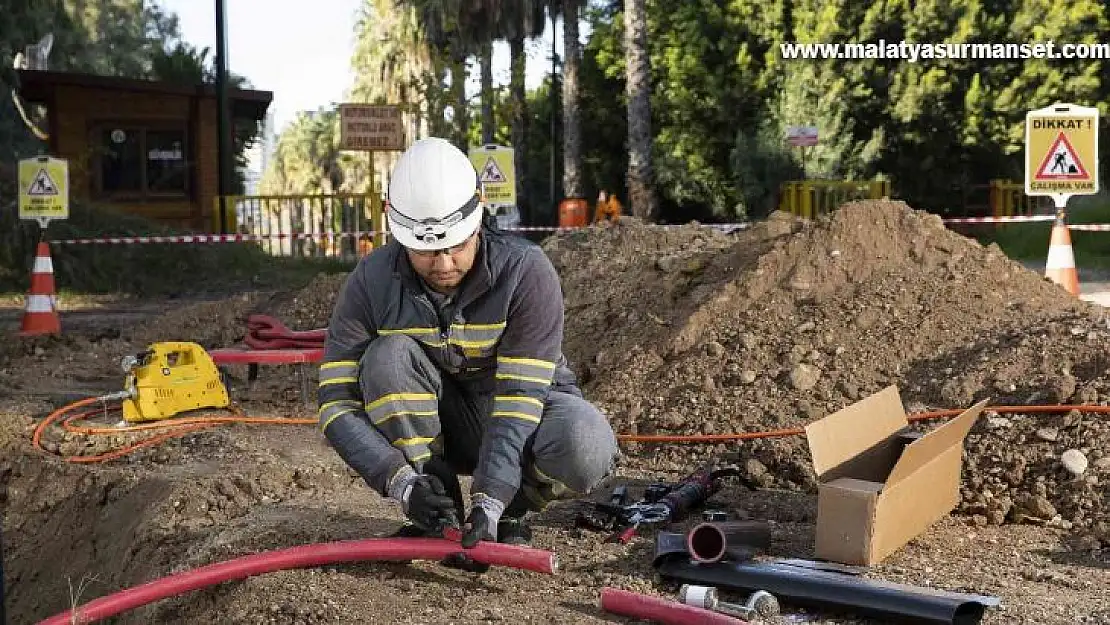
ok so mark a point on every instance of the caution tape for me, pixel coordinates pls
(998, 220)
(209, 238)
(249, 238)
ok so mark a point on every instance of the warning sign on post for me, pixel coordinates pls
(370, 127)
(1061, 151)
(43, 189)
(496, 174)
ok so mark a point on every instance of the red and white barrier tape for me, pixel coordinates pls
(244, 238)
(998, 220)
(208, 238)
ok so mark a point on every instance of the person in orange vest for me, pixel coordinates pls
(608, 208)
(365, 245)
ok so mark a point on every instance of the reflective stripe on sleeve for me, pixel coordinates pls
(531, 371)
(517, 407)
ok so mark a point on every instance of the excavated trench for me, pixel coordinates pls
(73, 535)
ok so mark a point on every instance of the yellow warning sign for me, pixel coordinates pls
(43, 188)
(1061, 151)
(494, 164)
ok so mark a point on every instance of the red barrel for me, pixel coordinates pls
(573, 213)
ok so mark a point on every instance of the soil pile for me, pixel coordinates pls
(691, 331)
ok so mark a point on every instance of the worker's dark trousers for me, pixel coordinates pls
(426, 414)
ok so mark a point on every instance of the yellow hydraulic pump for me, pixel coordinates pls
(171, 378)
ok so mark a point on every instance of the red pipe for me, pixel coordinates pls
(649, 608)
(304, 556)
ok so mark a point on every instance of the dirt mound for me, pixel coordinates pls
(310, 307)
(689, 331)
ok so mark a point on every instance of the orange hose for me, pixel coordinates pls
(922, 416)
(178, 428)
(181, 426)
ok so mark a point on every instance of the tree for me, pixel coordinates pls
(641, 194)
(572, 140)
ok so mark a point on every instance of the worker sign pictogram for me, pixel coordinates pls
(43, 189)
(491, 172)
(1061, 151)
(494, 164)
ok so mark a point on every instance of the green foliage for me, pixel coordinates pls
(723, 95)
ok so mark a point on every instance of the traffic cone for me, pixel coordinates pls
(40, 315)
(1060, 266)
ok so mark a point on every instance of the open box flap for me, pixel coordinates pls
(918, 453)
(853, 430)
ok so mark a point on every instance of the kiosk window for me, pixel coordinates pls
(142, 161)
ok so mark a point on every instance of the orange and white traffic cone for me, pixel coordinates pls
(40, 315)
(1060, 266)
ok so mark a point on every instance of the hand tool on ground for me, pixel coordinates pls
(661, 504)
(760, 605)
(169, 378)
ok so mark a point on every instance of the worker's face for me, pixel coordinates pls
(444, 269)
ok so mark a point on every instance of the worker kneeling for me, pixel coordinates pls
(444, 357)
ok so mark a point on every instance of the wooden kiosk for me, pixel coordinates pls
(138, 146)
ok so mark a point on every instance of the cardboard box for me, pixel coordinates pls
(879, 486)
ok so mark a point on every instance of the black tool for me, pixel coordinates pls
(662, 503)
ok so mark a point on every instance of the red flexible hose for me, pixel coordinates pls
(372, 549)
(649, 608)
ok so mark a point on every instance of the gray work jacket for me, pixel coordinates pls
(505, 332)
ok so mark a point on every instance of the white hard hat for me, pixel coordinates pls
(434, 196)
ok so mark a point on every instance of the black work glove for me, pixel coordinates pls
(428, 505)
(478, 527)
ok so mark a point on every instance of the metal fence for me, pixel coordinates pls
(812, 198)
(344, 226)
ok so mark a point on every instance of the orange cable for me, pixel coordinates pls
(181, 426)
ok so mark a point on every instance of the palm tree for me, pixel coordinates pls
(521, 19)
(443, 22)
(392, 63)
(572, 140)
(641, 195)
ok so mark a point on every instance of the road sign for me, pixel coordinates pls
(43, 189)
(1061, 152)
(371, 127)
(801, 136)
(496, 174)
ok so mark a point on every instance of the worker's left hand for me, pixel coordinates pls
(478, 527)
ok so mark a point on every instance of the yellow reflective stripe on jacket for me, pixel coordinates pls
(471, 335)
(338, 380)
(416, 448)
(476, 335)
(427, 336)
(394, 404)
(517, 407)
(332, 410)
(340, 372)
(528, 370)
(339, 368)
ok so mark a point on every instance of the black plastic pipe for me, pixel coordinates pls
(731, 540)
(825, 589)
